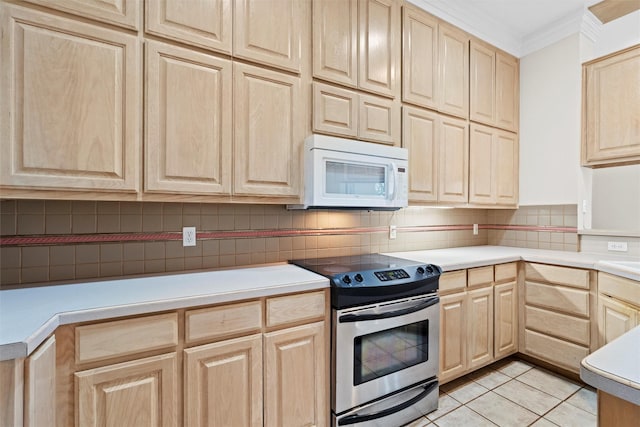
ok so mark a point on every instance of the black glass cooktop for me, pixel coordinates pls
(333, 266)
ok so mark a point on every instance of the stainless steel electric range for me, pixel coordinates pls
(384, 341)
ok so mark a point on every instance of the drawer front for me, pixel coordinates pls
(480, 276)
(295, 308)
(223, 321)
(452, 281)
(565, 354)
(557, 324)
(568, 300)
(566, 276)
(506, 272)
(125, 337)
(620, 288)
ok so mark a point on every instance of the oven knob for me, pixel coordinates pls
(346, 279)
(358, 277)
(420, 270)
(430, 269)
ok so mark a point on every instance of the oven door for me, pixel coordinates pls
(380, 349)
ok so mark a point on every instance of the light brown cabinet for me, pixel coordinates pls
(610, 109)
(57, 136)
(438, 160)
(419, 57)
(556, 313)
(480, 327)
(453, 64)
(453, 336)
(618, 306)
(40, 385)
(506, 318)
(493, 166)
(357, 43)
(267, 135)
(352, 114)
(494, 87)
(124, 13)
(188, 116)
(206, 24)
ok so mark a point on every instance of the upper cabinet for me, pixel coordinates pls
(494, 87)
(357, 43)
(206, 24)
(419, 57)
(611, 109)
(54, 132)
(272, 32)
(124, 13)
(453, 64)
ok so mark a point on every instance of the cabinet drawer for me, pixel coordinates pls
(222, 321)
(619, 287)
(125, 337)
(557, 324)
(453, 281)
(565, 354)
(480, 276)
(559, 275)
(506, 272)
(568, 300)
(295, 308)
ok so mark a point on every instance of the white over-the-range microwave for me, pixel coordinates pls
(349, 174)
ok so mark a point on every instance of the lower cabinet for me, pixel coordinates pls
(618, 306)
(478, 318)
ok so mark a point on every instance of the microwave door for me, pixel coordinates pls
(363, 181)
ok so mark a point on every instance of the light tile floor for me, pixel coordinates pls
(513, 393)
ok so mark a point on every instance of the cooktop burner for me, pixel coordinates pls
(372, 278)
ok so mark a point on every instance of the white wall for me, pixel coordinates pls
(618, 34)
(550, 88)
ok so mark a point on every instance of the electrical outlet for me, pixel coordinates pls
(392, 232)
(475, 229)
(188, 236)
(617, 246)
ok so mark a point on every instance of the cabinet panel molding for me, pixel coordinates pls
(505, 319)
(453, 179)
(482, 83)
(58, 135)
(565, 354)
(379, 120)
(124, 13)
(480, 327)
(420, 135)
(507, 92)
(614, 319)
(559, 325)
(12, 396)
(188, 121)
(453, 336)
(556, 274)
(217, 322)
(453, 60)
(335, 110)
(40, 385)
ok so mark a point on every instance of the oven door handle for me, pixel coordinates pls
(376, 316)
(355, 418)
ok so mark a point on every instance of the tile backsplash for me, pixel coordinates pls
(129, 238)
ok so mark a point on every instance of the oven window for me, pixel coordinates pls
(385, 352)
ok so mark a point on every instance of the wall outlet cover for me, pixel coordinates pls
(617, 246)
(392, 232)
(188, 236)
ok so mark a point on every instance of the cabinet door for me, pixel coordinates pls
(335, 41)
(335, 110)
(420, 137)
(379, 119)
(480, 327)
(206, 24)
(482, 90)
(505, 319)
(124, 13)
(614, 319)
(141, 392)
(272, 32)
(58, 136)
(507, 92)
(223, 383)
(419, 57)
(269, 124)
(379, 31)
(612, 102)
(482, 165)
(506, 164)
(453, 336)
(296, 376)
(453, 62)
(188, 121)
(40, 385)
(453, 147)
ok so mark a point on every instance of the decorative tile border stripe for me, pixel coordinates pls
(232, 234)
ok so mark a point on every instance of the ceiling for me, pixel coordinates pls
(516, 26)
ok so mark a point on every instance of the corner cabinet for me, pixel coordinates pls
(493, 166)
(54, 133)
(618, 306)
(610, 109)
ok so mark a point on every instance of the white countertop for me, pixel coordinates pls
(615, 368)
(28, 316)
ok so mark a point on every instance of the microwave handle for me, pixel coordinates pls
(393, 183)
